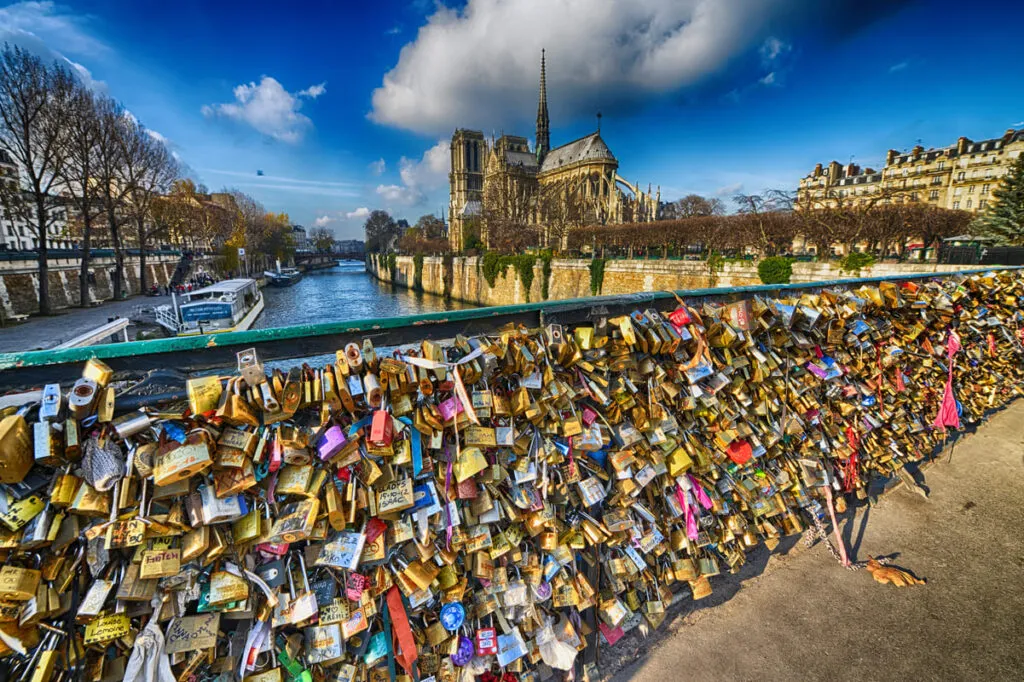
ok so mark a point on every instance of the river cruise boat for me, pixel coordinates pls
(285, 277)
(229, 306)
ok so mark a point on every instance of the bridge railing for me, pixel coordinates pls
(208, 352)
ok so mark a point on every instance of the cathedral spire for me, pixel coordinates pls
(543, 125)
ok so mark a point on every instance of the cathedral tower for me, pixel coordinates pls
(466, 182)
(543, 124)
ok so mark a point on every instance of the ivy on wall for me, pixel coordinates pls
(494, 264)
(417, 277)
(597, 275)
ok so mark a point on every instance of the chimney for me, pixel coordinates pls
(1008, 135)
(889, 156)
(817, 170)
(833, 172)
(917, 151)
(961, 145)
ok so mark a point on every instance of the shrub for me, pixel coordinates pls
(856, 261)
(775, 270)
(417, 278)
(597, 275)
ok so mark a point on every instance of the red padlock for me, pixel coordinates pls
(486, 642)
(381, 430)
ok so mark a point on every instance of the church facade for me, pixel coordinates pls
(504, 183)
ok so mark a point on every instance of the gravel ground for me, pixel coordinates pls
(799, 616)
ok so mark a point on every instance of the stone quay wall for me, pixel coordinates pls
(19, 281)
(571, 278)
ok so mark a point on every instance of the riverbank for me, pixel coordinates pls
(464, 279)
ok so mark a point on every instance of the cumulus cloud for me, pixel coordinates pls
(268, 108)
(323, 221)
(358, 214)
(378, 167)
(729, 190)
(51, 24)
(419, 176)
(477, 66)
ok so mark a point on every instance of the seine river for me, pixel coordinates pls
(344, 292)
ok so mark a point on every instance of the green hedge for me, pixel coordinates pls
(775, 270)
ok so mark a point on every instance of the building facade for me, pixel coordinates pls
(15, 233)
(505, 179)
(960, 176)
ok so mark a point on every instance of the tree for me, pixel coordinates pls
(430, 227)
(563, 207)
(693, 205)
(112, 153)
(34, 104)
(322, 239)
(509, 202)
(79, 176)
(380, 229)
(1004, 217)
(149, 171)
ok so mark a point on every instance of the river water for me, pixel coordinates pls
(342, 293)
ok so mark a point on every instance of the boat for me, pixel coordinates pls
(285, 277)
(229, 306)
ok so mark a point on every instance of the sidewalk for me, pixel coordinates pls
(47, 332)
(802, 617)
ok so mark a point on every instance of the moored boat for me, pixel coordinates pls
(284, 278)
(229, 306)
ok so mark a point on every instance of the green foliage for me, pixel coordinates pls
(855, 261)
(775, 270)
(392, 265)
(715, 263)
(448, 274)
(417, 278)
(597, 275)
(494, 264)
(1004, 216)
(546, 257)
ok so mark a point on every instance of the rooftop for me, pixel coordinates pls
(588, 148)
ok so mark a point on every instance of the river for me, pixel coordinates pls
(344, 292)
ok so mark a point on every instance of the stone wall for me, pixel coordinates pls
(19, 281)
(571, 278)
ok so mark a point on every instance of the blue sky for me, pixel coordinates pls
(347, 106)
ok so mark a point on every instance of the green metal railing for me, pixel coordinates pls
(201, 353)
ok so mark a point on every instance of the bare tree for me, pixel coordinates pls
(321, 238)
(34, 101)
(79, 176)
(562, 207)
(508, 205)
(115, 128)
(149, 169)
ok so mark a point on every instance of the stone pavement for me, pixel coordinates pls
(46, 332)
(802, 617)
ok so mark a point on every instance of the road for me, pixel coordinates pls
(802, 617)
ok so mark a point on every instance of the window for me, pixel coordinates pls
(956, 205)
(933, 195)
(919, 169)
(956, 191)
(961, 176)
(970, 190)
(988, 174)
(913, 196)
(905, 171)
(936, 180)
(968, 203)
(982, 204)
(942, 165)
(984, 188)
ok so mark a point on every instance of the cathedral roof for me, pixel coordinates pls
(526, 160)
(588, 148)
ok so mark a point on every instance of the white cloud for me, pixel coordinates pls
(899, 67)
(157, 136)
(323, 221)
(85, 76)
(393, 31)
(358, 214)
(729, 190)
(769, 79)
(429, 172)
(313, 91)
(378, 167)
(601, 53)
(400, 194)
(268, 108)
(51, 24)
(1018, 124)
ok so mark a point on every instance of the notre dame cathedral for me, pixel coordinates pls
(504, 180)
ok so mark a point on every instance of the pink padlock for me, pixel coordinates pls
(450, 408)
(588, 416)
(486, 641)
(331, 444)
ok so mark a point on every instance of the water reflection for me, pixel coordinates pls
(342, 293)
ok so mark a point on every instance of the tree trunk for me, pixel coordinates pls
(142, 258)
(83, 271)
(44, 261)
(115, 238)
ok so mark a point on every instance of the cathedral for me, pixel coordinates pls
(504, 182)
